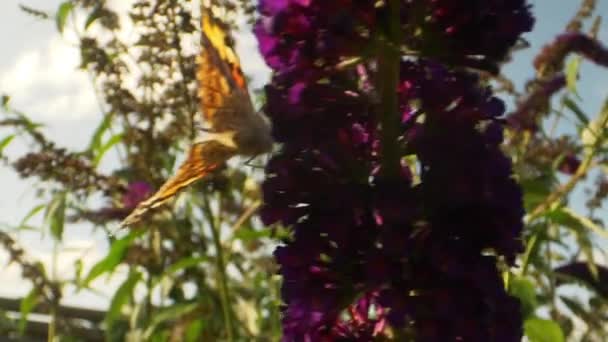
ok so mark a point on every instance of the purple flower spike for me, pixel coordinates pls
(367, 252)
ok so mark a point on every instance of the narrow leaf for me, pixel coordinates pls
(4, 142)
(62, 14)
(95, 142)
(115, 139)
(576, 110)
(96, 14)
(121, 297)
(55, 215)
(171, 313)
(581, 272)
(178, 266)
(27, 305)
(585, 222)
(572, 73)
(577, 308)
(30, 214)
(114, 257)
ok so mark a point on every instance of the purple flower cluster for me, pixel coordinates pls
(303, 34)
(370, 252)
(548, 64)
(473, 32)
(136, 192)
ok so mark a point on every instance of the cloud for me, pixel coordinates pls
(47, 85)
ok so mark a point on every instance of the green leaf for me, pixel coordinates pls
(28, 124)
(248, 235)
(114, 257)
(27, 305)
(55, 215)
(580, 272)
(572, 73)
(577, 308)
(524, 290)
(170, 313)
(4, 142)
(170, 271)
(96, 14)
(95, 142)
(62, 14)
(543, 330)
(5, 100)
(193, 333)
(121, 297)
(537, 189)
(569, 218)
(115, 139)
(30, 214)
(576, 110)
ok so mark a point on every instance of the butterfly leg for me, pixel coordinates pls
(248, 163)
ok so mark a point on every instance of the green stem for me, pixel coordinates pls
(580, 173)
(388, 72)
(530, 246)
(215, 224)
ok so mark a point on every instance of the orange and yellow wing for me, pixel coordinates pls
(219, 73)
(203, 158)
(221, 88)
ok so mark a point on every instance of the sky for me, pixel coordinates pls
(38, 69)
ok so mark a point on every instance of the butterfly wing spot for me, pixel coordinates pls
(203, 158)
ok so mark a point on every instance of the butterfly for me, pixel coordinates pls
(235, 128)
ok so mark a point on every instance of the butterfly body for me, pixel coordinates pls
(242, 128)
(235, 128)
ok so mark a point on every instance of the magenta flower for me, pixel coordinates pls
(136, 192)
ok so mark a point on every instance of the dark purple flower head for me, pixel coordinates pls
(552, 55)
(366, 321)
(296, 35)
(465, 32)
(466, 180)
(415, 240)
(299, 34)
(529, 111)
(136, 192)
(569, 164)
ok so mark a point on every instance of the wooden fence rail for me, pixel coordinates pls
(87, 322)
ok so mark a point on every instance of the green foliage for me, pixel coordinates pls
(62, 14)
(543, 330)
(27, 305)
(55, 215)
(5, 142)
(123, 295)
(525, 291)
(572, 70)
(112, 260)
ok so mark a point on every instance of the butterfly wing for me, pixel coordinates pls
(223, 95)
(203, 158)
(221, 81)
